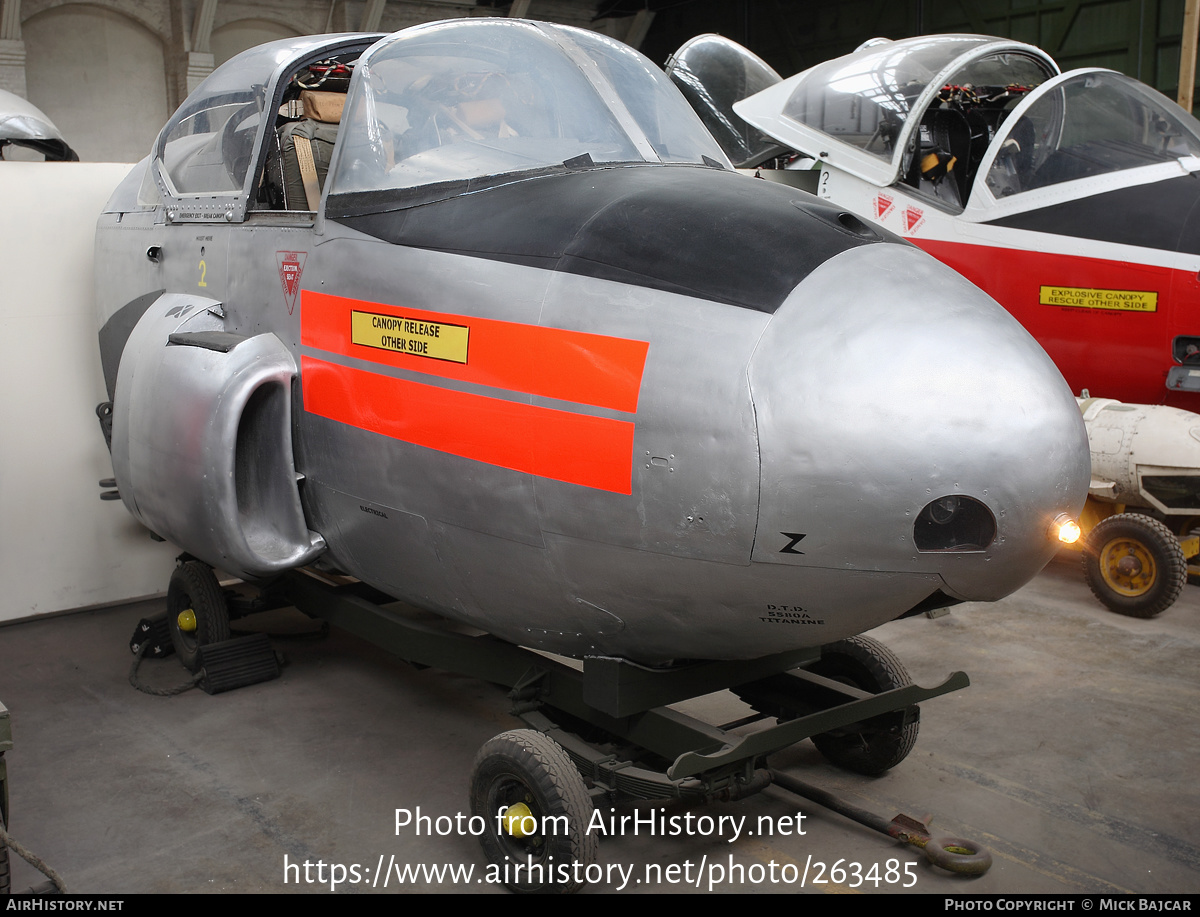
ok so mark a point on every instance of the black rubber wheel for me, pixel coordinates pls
(1134, 565)
(5, 872)
(194, 588)
(526, 768)
(869, 665)
(5, 869)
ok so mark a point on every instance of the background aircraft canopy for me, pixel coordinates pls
(451, 102)
(24, 124)
(1089, 123)
(870, 103)
(713, 73)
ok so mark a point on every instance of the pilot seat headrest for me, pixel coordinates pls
(323, 106)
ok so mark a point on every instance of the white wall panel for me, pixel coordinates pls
(61, 547)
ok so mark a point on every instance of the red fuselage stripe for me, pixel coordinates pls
(561, 445)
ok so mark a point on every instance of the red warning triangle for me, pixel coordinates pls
(291, 268)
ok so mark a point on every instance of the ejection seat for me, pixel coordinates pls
(305, 147)
(940, 166)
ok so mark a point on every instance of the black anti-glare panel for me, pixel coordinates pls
(700, 232)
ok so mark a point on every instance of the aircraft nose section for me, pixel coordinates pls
(908, 424)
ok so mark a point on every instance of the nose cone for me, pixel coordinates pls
(908, 424)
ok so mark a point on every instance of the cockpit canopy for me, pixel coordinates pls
(208, 157)
(1088, 123)
(713, 73)
(970, 121)
(866, 112)
(427, 112)
(461, 101)
(23, 124)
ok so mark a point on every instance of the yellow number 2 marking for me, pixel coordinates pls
(203, 271)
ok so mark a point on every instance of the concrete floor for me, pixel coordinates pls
(1073, 757)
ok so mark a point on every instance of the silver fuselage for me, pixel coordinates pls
(881, 382)
(645, 410)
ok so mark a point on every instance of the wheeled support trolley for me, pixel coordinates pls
(607, 732)
(603, 731)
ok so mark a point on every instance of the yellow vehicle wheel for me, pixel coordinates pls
(1134, 565)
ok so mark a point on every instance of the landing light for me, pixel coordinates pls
(1065, 529)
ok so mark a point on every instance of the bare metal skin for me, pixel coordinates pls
(656, 458)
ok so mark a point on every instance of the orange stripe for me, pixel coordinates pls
(573, 366)
(575, 448)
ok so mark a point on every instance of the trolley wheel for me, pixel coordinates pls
(536, 810)
(196, 611)
(1134, 565)
(5, 871)
(869, 665)
(957, 855)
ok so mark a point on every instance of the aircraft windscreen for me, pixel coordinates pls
(208, 144)
(1091, 124)
(864, 99)
(209, 150)
(438, 104)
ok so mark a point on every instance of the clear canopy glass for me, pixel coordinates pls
(460, 100)
(208, 144)
(864, 99)
(24, 124)
(877, 113)
(1090, 123)
(713, 73)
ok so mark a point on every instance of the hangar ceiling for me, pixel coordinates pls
(109, 71)
(1138, 37)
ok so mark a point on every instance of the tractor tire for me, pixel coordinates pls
(1134, 565)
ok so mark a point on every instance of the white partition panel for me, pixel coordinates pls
(61, 547)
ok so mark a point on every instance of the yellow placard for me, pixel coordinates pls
(1084, 298)
(414, 336)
